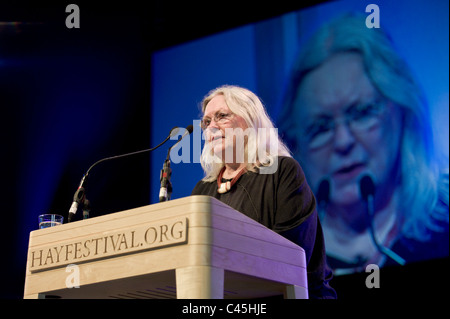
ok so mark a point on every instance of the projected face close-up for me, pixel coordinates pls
(347, 129)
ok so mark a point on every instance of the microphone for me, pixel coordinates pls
(166, 186)
(367, 189)
(80, 195)
(78, 198)
(86, 208)
(323, 196)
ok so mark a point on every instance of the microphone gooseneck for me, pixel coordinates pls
(367, 189)
(173, 132)
(80, 194)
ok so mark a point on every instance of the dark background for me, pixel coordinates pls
(72, 96)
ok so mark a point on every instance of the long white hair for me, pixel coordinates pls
(247, 105)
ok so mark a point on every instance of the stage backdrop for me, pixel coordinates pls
(261, 57)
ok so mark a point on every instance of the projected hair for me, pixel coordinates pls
(247, 105)
(421, 182)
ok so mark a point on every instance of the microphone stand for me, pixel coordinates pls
(86, 208)
(367, 189)
(382, 249)
(166, 186)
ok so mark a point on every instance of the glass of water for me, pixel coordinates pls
(50, 220)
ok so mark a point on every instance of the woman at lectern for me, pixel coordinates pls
(249, 168)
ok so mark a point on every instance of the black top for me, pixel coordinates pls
(283, 202)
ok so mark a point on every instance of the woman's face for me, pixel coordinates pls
(346, 129)
(221, 119)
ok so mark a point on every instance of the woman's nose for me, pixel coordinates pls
(213, 124)
(344, 139)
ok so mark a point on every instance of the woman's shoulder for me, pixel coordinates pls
(277, 165)
(289, 165)
(202, 188)
(288, 161)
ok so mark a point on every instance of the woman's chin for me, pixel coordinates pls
(346, 196)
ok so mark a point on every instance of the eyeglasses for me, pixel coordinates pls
(220, 118)
(358, 118)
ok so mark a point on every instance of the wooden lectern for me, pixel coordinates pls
(193, 247)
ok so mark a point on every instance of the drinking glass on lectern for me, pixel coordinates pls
(50, 220)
